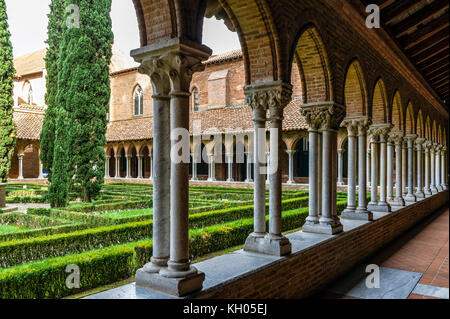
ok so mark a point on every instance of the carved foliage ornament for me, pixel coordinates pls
(324, 117)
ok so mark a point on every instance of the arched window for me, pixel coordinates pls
(27, 93)
(138, 101)
(195, 99)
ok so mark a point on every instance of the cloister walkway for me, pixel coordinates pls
(414, 266)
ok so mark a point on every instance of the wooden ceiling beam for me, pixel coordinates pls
(425, 32)
(430, 42)
(397, 8)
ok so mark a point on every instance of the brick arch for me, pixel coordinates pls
(444, 137)
(428, 134)
(409, 119)
(314, 69)
(397, 111)
(355, 90)
(434, 132)
(420, 129)
(439, 136)
(379, 107)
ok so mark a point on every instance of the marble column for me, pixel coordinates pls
(176, 61)
(194, 169)
(368, 166)
(420, 193)
(433, 188)
(151, 168)
(291, 166)
(274, 96)
(268, 167)
(426, 147)
(117, 167)
(390, 170)
(20, 156)
(383, 205)
(397, 137)
(212, 168)
(404, 167)
(129, 157)
(362, 211)
(352, 128)
(374, 141)
(328, 117)
(248, 178)
(444, 168)
(230, 167)
(340, 180)
(410, 139)
(313, 216)
(438, 167)
(107, 167)
(41, 170)
(139, 167)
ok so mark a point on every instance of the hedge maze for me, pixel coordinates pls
(110, 238)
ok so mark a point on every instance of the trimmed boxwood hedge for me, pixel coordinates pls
(47, 278)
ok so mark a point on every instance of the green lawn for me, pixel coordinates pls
(129, 213)
(5, 229)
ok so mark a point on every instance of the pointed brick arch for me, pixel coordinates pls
(313, 65)
(355, 90)
(439, 136)
(379, 107)
(397, 112)
(434, 132)
(420, 128)
(409, 119)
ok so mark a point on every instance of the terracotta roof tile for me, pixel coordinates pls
(28, 124)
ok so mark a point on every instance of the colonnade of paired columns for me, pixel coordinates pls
(128, 158)
(20, 158)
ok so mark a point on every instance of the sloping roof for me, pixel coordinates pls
(227, 56)
(231, 119)
(28, 124)
(34, 62)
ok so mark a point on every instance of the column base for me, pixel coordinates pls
(358, 214)
(230, 180)
(268, 245)
(290, 182)
(445, 187)
(211, 180)
(323, 228)
(410, 198)
(439, 188)
(372, 206)
(434, 190)
(155, 265)
(420, 195)
(383, 207)
(340, 184)
(173, 286)
(397, 202)
(427, 192)
(249, 180)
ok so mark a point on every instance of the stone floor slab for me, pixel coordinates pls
(431, 291)
(129, 291)
(394, 284)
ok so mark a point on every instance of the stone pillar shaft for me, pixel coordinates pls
(291, 166)
(20, 166)
(427, 189)
(340, 153)
(313, 217)
(390, 172)
(410, 197)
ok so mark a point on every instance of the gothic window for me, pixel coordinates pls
(28, 93)
(138, 101)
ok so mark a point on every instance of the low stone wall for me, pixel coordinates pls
(310, 270)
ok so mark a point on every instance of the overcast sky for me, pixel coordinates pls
(28, 26)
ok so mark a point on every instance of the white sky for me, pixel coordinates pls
(28, 26)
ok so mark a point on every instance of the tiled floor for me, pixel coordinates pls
(423, 250)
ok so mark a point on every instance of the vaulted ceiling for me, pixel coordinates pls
(421, 30)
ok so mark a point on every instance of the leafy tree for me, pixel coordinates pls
(7, 71)
(54, 31)
(84, 93)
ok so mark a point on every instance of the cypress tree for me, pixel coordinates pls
(84, 93)
(54, 32)
(7, 71)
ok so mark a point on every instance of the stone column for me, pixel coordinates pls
(419, 194)
(427, 189)
(383, 205)
(151, 168)
(438, 167)
(230, 168)
(194, 168)
(390, 171)
(434, 190)
(340, 180)
(248, 178)
(410, 139)
(362, 211)
(176, 61)
(20, 156)
(268, 167)
(212, 168)
(41, 169)
(404, 168)
(352, 128)
(117, 167)
(329, 116)
(139, 168)
(444, 168)
(129, 157)
(107, 167)
(374, 140)
(368, 166)
(397, 137)
(275, 96)
(291, 166)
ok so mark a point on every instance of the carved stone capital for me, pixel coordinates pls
(273, 96)
(380, 130)
(323, 116)
(419, 143)
(355, 125)
(427, 145)
(410, 138)
(396, 136)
